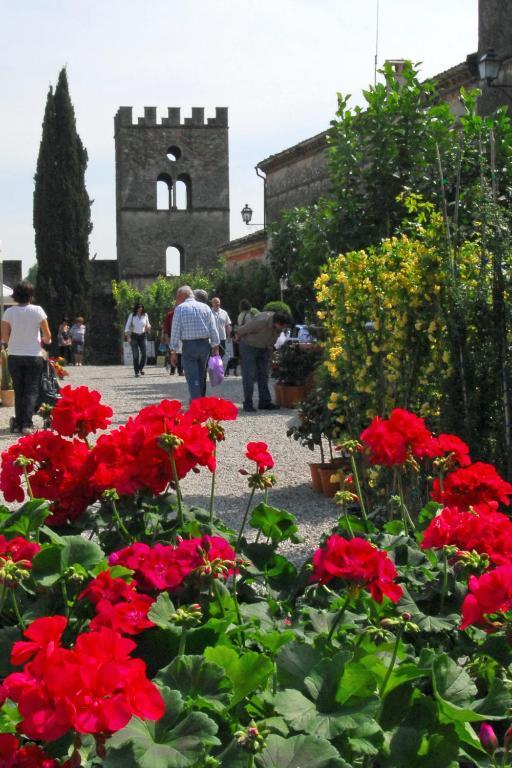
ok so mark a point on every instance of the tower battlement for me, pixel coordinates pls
(124, 118)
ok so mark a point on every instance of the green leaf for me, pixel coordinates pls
(197, 680)
(26, 519)
(454, 691)
(274, 641)
(299, 752)
(294, 663)
(247, 671)
(172, 742)
(9, 718)
(80, 551)
(161, 611)
(357, 682)
(47, 565)
(276, 524)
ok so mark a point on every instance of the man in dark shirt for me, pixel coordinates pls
(257, 338)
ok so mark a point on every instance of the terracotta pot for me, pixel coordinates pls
(325, 473)
(316, 481)
(289, 396)
(7, 397)
(277, 393)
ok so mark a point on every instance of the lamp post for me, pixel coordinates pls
(246, 214)
(490, 67)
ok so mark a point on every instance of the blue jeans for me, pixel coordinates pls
(26, 374)
(194, 357)
(138, 342)
(255, 368)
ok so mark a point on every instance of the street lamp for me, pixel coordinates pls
(489, 68)
(247, 216)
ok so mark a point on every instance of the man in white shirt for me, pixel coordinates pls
(193, 325)
(223, 324)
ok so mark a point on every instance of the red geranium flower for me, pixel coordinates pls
(452, 446)
(483, 530)
(94, 688)
(390, 441)
(490, 596)
(80, 412)
(104, 587)
(56, 472)
(479, 483)
(18, 549)
(359, 563)
(126, 617)
(216, 408)
(258, 452)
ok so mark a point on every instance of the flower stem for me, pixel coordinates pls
(178, 491)
(212, 495)
(250, 760)
(16, 609)
(183, 641)
(27, 480)
(338, 618)
(444, 587)
(119, 521)
(65, 599)
(355, 475)
(392, 663)
(3, 595)
(244, 520)
(407, 520)
(216, 592)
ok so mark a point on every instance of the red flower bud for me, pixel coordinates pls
(488, 738)
(507, 739)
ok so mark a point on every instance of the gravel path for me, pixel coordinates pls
(120, 389)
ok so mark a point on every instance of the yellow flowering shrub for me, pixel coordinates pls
(386, 339)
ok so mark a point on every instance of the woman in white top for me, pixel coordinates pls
(24, 327)
(135, 331)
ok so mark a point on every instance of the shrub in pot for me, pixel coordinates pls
(292, 366)
(6, 384)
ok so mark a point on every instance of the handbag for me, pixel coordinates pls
(215, 370)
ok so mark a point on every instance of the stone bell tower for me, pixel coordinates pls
(172, 190)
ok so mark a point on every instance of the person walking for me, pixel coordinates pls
(257, 338)
(77, 332)
(135, 330)
(64, 340)
(165, 339)
(24, 327)
(194, 327)
(223, 324)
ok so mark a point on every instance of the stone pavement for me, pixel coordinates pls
(127, 395)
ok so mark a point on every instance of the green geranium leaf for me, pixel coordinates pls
(47, 565)
(197, 680)
(455, 692)
(294, 663)
(9, 718)
(172, 742)
(80, 551)
(161, 611)
(274, 641)
(299, 752)
(26, 519)
(276, 524)
(247, 671)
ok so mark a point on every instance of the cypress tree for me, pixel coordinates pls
(62, 212)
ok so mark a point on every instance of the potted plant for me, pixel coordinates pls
(316, 429)
(292, 366)
(7, 389)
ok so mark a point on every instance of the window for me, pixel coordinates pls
(173, 154)
(183, 193)
(173, 260)
(163, 192)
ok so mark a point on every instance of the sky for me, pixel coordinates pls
(276, 64)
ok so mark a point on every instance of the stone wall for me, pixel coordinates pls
(495, 31)
(104, 334)
(201, 164)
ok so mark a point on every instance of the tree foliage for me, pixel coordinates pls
(62, 219)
